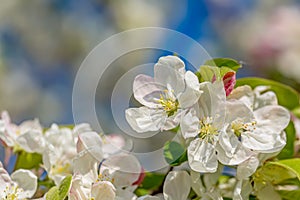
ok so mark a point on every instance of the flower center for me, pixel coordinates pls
(61, 168)
(207, 131)
(105, 177)
(168, 102)
(239, 127)
(11, 193)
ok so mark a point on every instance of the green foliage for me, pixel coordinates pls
(151, 182)
(61, 192)
(224, 62)
(289, 194)
(288, 150)
(292, 165)
(64, 187)
(53, 194)
(28, 160)
(174, 153)
(287, 96)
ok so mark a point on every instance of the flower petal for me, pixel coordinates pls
(103, 190)
(91, 142)
(190, 125)
(271, 121)
(192, 91)
(32, 141)
(243, 93)
(148, 197)
(202, 156)
(125, 169)
(212, 102)
(242, 190)
(177, 185)
(247, 168)
(144, 119)
(4, 178)
(230, 150)
(25, 180)
(147, 91)
(169, 70)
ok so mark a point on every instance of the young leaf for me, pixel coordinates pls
(224, 62)
(288, 150)
(64, 187)
(174, 153)
(53, 194)
(289, 194)
(289, 165)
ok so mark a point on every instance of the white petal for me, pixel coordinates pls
(144, 119)
(113, 144)
(147, 91)
(177, 185)
(263, 98)
(25, 180)
(202, 156)
(275, 118)
(271, 120)
(81, 128)
(4, 178)
(86, 165)
(242, 190)
(32, 141)
(196, 183)
(237, 109)
(103, 190)
(91, 142)
(125, 169)
(212, 102)
(148, 197)
(247, 168)
(243, 93)
(192, 91)
(77, 190)
(170, 70)
(190, 125)
(230, 150)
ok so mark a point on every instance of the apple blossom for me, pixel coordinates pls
(165, 97)
(21, 184)
(204, 125)
(27, 136)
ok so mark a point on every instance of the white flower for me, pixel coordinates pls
(28, 135)
(115, 179)
(60, 151)
(252, 131)
(20, 185)
(204, 126)
(165, 97)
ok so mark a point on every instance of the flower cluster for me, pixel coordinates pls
(230, 137)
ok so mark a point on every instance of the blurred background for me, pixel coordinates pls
(42, 44)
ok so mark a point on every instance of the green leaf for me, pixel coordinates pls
(296, 112)
(274, 173)
(174, 153)
(53, 194)
(288, 150)
(28, 160)
(151, 182)
(208, 73)
(224, 62)
(65, 187)
(289, 194)
(290, 166)
(287, 96)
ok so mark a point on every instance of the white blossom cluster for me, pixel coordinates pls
(219, 127)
